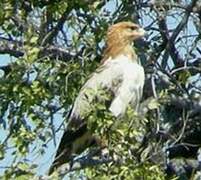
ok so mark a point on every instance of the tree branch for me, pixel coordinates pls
(89, 160)
(10, 47)
(54, 32)
(56, 53)
(169, 40)
(15, 48)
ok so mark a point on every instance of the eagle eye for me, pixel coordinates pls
(133, 28)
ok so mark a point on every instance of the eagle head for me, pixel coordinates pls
(119, 39)
(125, 32)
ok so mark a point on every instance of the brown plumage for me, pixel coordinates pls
(119, 64)
(120, 38)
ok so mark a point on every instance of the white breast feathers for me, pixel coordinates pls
(131, 88)
(128, 91)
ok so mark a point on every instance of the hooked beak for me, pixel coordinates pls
(141, 32)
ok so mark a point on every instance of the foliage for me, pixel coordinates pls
(54, 45)
(123, 139)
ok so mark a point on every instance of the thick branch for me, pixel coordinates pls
(183, 22)
(82, 163)
(169, 40)
(6, 69)
(171, 45)
(10, 47)
(89, 160)
(56, 52)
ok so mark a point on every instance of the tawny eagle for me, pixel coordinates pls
(119, 63)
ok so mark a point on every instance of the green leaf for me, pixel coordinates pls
(153, 104)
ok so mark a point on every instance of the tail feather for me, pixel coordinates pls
(72, 142)
(63, 152)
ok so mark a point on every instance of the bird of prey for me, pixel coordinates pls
(120, 72)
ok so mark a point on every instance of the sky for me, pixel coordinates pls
(4, 60)
(43, 161)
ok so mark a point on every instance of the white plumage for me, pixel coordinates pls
(123, 76)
